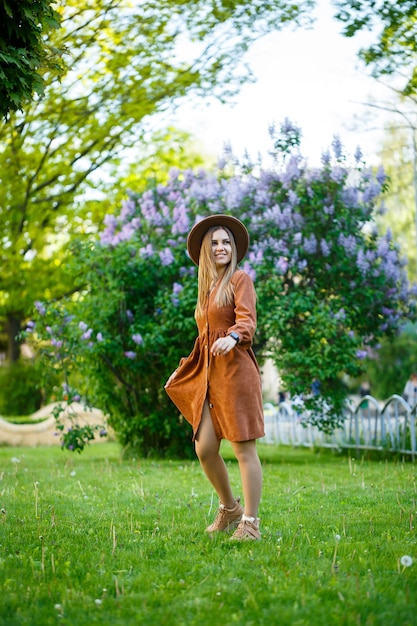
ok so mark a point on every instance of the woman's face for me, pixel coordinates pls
(221, 249)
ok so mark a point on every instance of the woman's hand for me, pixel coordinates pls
(223, 345)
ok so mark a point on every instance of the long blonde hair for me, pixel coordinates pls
(208, 276)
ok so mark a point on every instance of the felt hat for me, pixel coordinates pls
(198, 231)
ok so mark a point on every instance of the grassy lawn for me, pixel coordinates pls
(96, 539)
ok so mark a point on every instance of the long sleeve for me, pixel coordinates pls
(245, 309)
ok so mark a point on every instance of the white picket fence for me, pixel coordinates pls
(370, 425)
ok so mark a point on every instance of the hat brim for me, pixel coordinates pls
(198, 231)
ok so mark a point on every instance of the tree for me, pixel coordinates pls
(400, 199)
(125, 64)
(399, 155)
(328, 288)
(396, 46)
(390, 367)
(24, 53)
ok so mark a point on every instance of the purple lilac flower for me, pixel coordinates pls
(177, 288)
(40, 307)
(127, 210)
(362, 262)
(99, 337)
(234, 193)
(371, 192)
(310, 244)
(337, 147)
(166, 256)
(361, 354)
(129, 315)
(130, 355)
(289, 128)
(146, 251)
(338, 174)
(110, 221)
(281, 265)
(325, 157)
(107, 238)
(348, 243)
(181, 220)
(293, 199)
(350, 196)
(325, 248)
(383, 247)
(138, 339)
(247, 267)
(292, 171)
(87, 334)
(57, 342)
(126, 233)
(328, 209)
(358, 154)
(381, 175)
(256, 256)
(147, 207)
(82, 326)
(340, 315)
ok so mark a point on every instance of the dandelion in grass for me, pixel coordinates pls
(335, 566)
(406, 561)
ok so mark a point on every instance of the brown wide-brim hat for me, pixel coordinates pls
(198, 231)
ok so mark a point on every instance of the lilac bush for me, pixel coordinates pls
(329, 286)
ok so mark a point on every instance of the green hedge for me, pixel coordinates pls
(22, 391)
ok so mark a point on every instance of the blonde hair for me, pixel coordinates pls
(208, 276)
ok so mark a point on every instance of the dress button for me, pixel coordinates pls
(210, 406)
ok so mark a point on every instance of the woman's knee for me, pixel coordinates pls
(206, 450)
(245, 451)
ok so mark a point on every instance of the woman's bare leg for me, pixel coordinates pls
(207, 447)
(251, 475)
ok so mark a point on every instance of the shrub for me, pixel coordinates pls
(329, 287)
(20, 389)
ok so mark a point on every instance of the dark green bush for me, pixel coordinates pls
(22, 391)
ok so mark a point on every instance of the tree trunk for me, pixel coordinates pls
(13, 327)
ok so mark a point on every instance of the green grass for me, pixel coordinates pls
(96, 539)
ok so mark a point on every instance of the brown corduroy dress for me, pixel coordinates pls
(231, 382)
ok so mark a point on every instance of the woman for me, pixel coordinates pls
(218, 386)
(410, 390)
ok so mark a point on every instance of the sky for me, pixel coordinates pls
(313, 77)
